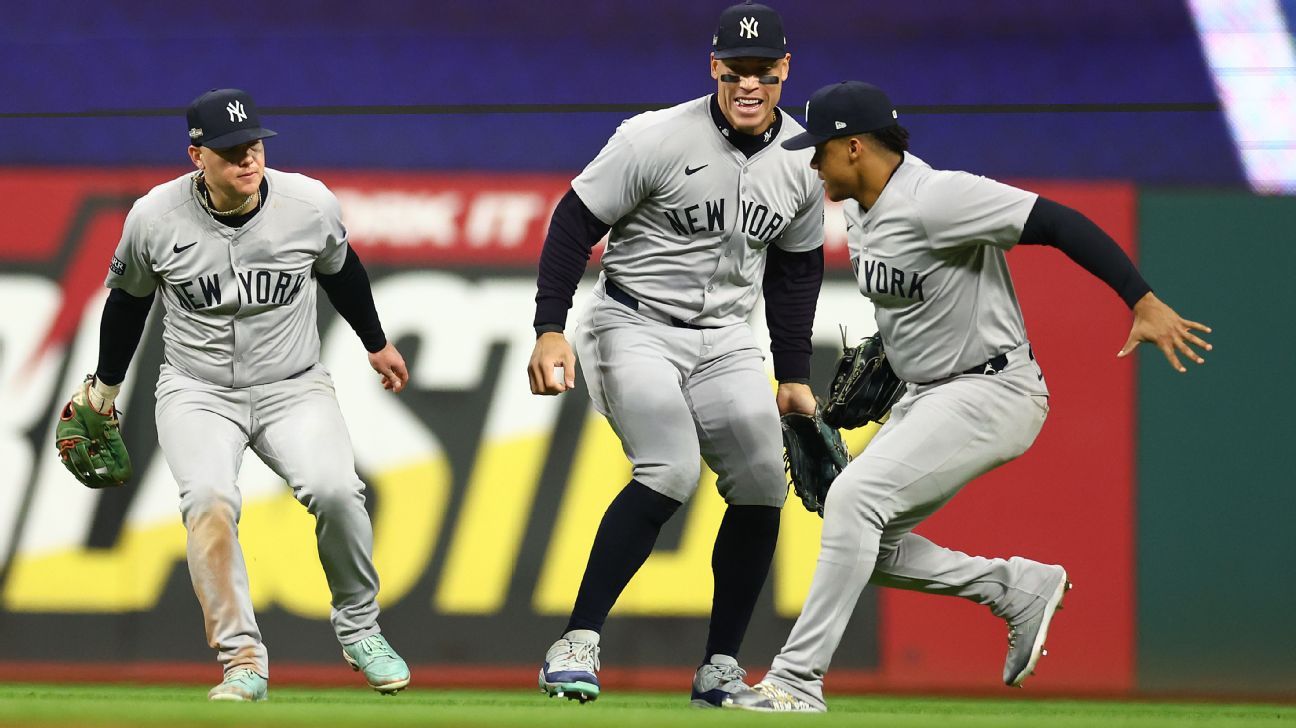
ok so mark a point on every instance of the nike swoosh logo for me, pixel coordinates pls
(177, 249)
(691, 170)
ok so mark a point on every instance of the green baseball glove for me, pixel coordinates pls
(814, 457)
(89, 442)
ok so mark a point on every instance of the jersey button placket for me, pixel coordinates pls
(236, 358)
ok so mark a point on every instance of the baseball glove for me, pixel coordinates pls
(89, 442)
(814, 457)
(864, 387)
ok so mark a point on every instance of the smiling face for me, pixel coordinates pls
(232, 174)
(748, 89)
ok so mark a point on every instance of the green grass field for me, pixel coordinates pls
(128, 705)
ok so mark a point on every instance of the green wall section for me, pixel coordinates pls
(1216, 485)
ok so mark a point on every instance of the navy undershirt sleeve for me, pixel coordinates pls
(1068, 230)
(349, 292)
(120, 329)
(792, 283)
(573, 233)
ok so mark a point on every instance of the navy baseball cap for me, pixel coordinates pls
(224, 118)
(749, 30)
(844, 109)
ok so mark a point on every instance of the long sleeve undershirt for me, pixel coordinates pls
(120, 328)
(791, 286)
(1061, 227)
(573, 233)
(349, 292)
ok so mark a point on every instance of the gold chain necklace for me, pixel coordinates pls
(200, 191)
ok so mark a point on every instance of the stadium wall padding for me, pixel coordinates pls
(1216, 496)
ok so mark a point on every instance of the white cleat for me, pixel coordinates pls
(1026, 635)
(769, 697)
(570, 669)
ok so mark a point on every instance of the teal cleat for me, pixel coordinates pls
(383, 669)
(240, 685)
(570, 668)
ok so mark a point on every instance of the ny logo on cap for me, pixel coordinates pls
(236, 112)
(747, 28)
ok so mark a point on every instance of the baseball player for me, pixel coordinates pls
(928, 250)
(234, 249)
(703, 210)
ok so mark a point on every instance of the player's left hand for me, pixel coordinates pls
(794, 397)
(1157, 323)
(390, 365)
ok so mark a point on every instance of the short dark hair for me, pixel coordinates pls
(895, 138)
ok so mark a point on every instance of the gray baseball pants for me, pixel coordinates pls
(676, 395)
(296, 428)
(938, 438)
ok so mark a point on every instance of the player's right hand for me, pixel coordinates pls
(552, 369)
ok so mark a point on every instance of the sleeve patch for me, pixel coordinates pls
(117, 266)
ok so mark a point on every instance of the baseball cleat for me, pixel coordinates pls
(769, 697)
(383, 669)
(570, 669)
(716, 680)
(1026, 634)
(240, 685)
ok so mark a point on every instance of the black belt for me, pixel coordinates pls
(990, 367)
(619, 295)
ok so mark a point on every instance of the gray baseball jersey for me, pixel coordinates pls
(691, 216)
(691, 219)
(242, 371)
(239, 302)
(930, 255)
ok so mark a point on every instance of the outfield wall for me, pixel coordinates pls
(485, 498)
(1216, 494)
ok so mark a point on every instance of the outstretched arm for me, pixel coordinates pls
(1157, 323)
(1059, 226)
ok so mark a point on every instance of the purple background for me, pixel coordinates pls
(81, 56)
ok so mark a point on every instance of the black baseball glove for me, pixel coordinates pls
(814, 456)
(864, 387)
